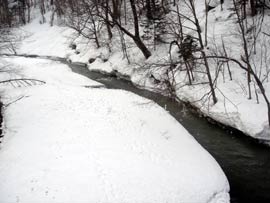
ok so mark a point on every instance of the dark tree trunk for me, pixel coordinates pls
(198, 29)
(28, 11)
(116, 9)
(149, 14)
(253, 8)
(142, 47)
(71, 5)
(110, 35)
(137, 38)
(5, 16)
(1, 120)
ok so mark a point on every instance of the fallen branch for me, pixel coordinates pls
(26, 81)
(6, 105)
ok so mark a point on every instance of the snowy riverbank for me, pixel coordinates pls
(65, 141)
(233, 108)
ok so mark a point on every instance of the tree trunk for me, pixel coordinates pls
(198, 29)
(142, 47)
(137, 38)
(110, 35)
(260, 85)
(116, 10)
(5, 16)
(1, 120)
(149, 14)
(253, 8)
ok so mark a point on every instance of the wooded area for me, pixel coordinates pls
(92, 18)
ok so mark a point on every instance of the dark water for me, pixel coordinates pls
(245, 162)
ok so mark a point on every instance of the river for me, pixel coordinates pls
(245, 162)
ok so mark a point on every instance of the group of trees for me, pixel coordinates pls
(175, 22)
(16, 12)
(88, 16)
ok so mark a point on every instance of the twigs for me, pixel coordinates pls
(6, 105)
(22, 82)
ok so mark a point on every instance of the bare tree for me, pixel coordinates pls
(85, 21)
(42, 10)
(195, 21)
(5, 15)
(136, 36)
(246, 57)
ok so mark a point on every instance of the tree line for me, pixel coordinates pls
(176, 20)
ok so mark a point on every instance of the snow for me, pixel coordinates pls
(65, 142)
(45, 40)
(233, 107)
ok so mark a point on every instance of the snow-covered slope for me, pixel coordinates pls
(64, 142)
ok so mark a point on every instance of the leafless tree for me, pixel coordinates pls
(5, 15)
(113, 20)
(193, 19)
(85, 20)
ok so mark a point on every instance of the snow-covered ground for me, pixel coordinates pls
(69, 141)
(233, 107)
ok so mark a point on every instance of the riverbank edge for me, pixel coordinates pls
(193, 109)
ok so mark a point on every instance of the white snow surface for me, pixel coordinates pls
(64, 142)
